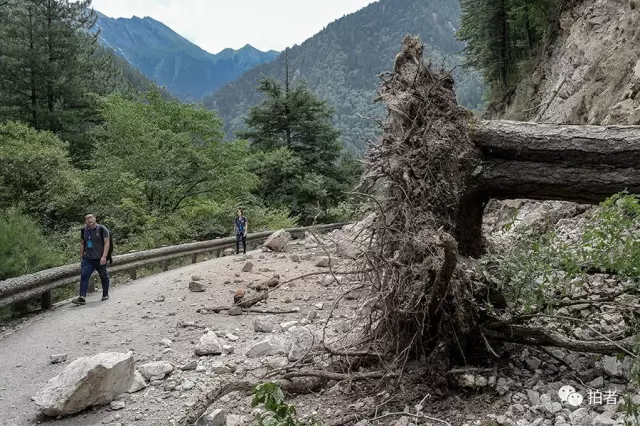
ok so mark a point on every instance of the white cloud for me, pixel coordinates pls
(214, 25)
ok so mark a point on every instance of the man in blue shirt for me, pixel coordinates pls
(240, 226)
(94, 248)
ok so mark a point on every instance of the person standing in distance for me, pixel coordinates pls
(240, 228)
(94, 248)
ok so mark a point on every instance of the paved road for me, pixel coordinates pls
(130, 320)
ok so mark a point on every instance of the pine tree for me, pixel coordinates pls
(47, 63)
(298, 150)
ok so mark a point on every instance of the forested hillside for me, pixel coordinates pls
(170, 60)
(83, 131)
(341, 63)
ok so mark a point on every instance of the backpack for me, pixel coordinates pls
(110, 251)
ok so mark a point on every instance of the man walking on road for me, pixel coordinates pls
(94, 249)
(240, 228)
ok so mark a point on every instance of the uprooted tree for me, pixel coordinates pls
(432, 173)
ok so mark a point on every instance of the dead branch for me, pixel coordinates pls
(538, 336)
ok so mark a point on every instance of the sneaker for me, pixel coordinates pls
(105, 298)
(79, 301)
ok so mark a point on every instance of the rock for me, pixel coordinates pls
(312, 315)
(209, 345)
(237, 420)
(196, 286)
(603, 419)
(248, 267)
(228, 252)
(534, 397)
(86, 382)
(295, 258)
(469, 380)
(278, 240)
(341, 327)
(549, 406)
(213, 417)
(610, 365)
(117, 405)
(160, 299)
(319, 306)
(235, 311)
(270, 346)
(187, 384)
(138, 382)
(289, 324)
(597, 383)
(324, 262)
(227, 349)
(192, 365)
(155, 369)
(580, 417)
(266, 325)
(58, 358)
(166, 343)
(232, 337)
(533, 363)
(196, 278)
(307, 256)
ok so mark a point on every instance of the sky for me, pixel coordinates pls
(214, 24)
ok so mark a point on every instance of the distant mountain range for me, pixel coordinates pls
(187, 71)
(341, 64)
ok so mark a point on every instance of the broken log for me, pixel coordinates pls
(583, 164)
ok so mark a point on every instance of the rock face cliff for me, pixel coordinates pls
(591, 73)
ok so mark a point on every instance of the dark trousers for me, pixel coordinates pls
(87, 268)
(244, 243)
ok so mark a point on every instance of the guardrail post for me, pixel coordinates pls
(194, 258)
(46, 300)
(133, 274)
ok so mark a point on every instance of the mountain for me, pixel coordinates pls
(170, 60)
(341, 63)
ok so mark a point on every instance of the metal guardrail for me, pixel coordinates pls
(40, 284)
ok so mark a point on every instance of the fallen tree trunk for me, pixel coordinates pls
(583, 164)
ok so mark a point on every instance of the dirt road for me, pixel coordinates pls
(136, 319)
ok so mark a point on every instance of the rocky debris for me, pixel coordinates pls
(58, 358)
(235, 311)
(196, 286)
(209, 345)
(324, 262)
(138, 382)
(155, 370)
(160, 299)
(266, 325)
(295, 258)
(191, 365)
(228, 252)
(271, 346)
(117, 405)
(248, 267)
(319, 306)
(87, 382)
(278, 240)
(166, 343)
(196, 278)
(213, 417)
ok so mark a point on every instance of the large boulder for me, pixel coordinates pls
(278, 240)
(87, 382)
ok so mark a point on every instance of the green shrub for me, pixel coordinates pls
(24, 248)
(278, 413)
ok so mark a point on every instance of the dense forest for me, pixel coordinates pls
(341, 63)
(504, 38)
(81, 131)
